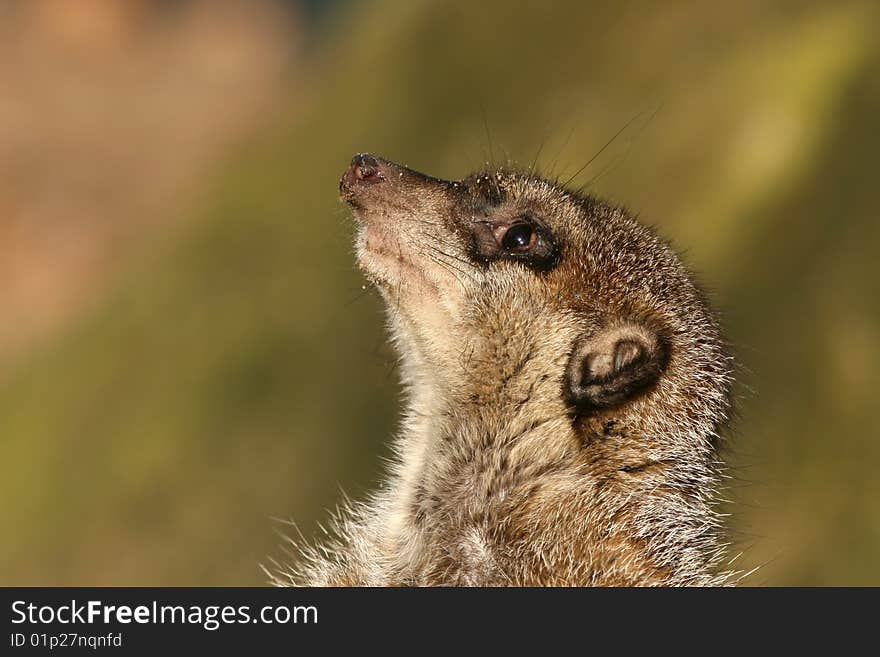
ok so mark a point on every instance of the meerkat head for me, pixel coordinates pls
(508, 291)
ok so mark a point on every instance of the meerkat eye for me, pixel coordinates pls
(524, 239)
(519, 237)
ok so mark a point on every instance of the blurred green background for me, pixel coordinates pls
(188, 352)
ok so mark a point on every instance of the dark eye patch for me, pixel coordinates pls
(521, 239)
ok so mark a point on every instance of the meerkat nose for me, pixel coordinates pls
(364, 168)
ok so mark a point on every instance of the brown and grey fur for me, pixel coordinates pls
(519, 461)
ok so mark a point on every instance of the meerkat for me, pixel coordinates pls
(566, 379)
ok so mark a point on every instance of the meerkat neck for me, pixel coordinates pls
(465, 464)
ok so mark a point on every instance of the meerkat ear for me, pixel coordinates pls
(617, 363)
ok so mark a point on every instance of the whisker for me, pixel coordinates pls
(602, 150)
(552, 172)
(445, 266)
(438, 252)
(537, 154)
(452, 255)
(488, 135)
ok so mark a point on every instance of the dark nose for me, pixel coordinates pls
(364, 169)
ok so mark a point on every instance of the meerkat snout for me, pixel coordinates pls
(364, 169)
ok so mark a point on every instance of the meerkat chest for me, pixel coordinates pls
(471, 519)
